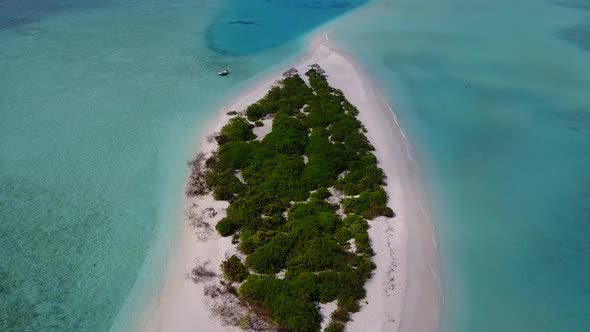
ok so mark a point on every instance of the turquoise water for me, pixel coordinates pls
(101, 103)
(245, 27)
(495, 97)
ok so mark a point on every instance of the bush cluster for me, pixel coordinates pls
(234, 270)
(321, 193)
(288, 98)
(369, 204)
(237, 129)
(273, 218)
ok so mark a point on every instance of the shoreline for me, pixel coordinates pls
(407, 252)
(420, 284)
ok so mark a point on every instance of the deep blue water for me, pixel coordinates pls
(244, 27)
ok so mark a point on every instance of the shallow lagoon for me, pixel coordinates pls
(101, 105)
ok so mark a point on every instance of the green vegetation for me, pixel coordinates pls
(369, 204)
(278, 224)
(234, 270)
(335, 326)
(237, 129)
(321, 193)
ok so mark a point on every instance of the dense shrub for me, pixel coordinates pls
(283, 177)
(357, 142)
(252, 240)
(283, 121)
(271, 257)
(388, 212)
(303, 286)
(244, 213)
(226, 227)
(234, 270)
(365, 267)
(355, 223)
(317, 254)
(290, 142)
(311, 208)
(326, 160)
(289, 312)
(361, 240)
(294, 314)
(235, 155)
(288, 98)
(257, 288)
(351, 286)
(343, 234)
(281, 226)
(321, 193)
(363, 175)
(344, 127)
(349, 108)
(335, 326)
(340, 315)
(237, 129)
(328, 286)
(256, 111)
(235, 239)
(227, 186)
(318, 83)
(369, 204)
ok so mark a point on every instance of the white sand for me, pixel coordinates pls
(326, 310)
(403, 294)
(260, 132)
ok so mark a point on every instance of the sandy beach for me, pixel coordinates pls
(404, 292)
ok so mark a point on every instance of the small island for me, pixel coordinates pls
(302, 185)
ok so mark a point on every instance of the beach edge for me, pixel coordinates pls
(405, 281)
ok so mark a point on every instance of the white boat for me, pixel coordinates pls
(223, 72)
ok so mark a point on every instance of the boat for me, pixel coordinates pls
(223, 72)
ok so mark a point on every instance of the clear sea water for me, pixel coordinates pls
(495, 97)
(101, 103)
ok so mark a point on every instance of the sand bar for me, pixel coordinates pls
(402, 295)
